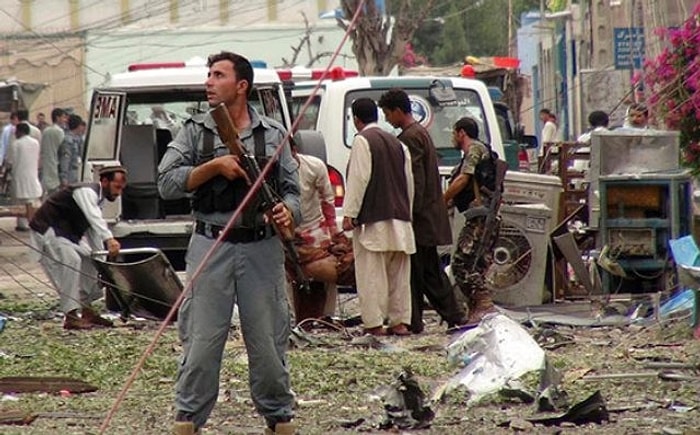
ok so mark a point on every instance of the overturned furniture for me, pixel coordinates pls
(143, 282)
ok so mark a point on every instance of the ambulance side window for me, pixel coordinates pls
(268, 103)
(310, 118)
(437, 119)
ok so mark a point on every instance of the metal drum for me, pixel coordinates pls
(141, 280)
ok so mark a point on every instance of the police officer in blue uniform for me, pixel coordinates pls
(247, 268)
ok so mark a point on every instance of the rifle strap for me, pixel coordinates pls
(260, 155)
(477, 191)
(251, 216)
(207, 152)
(259, 138)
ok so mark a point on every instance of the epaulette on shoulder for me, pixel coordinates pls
(197, 118)
(274, 124)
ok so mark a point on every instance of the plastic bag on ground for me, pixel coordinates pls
(495, 352)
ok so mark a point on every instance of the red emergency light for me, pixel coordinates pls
(284, 74)
(335, 73)
(155, 65)
(468, 71)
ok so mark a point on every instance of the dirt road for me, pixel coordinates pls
(336, 374)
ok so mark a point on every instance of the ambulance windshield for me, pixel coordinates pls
(438, 119)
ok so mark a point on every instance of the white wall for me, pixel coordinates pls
(112, 52)
(53, 16)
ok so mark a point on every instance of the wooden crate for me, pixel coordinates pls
(615, 212)
(644, 197)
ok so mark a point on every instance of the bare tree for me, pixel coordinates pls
(378, 41)
(305, 42)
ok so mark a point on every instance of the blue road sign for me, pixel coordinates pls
(629, 47)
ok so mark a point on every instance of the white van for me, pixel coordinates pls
(131, 122)
(437, 103)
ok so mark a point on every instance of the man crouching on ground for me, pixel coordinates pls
(58, 227)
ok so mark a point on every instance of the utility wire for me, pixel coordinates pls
(103, 27)
(91, 43)
(98, 278)
(28, 289)
(107, 24)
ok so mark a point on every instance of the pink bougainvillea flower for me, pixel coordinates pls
(673, 82)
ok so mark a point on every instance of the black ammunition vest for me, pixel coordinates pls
(222, 195)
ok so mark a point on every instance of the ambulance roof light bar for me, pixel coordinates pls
(195, 61)
(154, 65)
(335, 73)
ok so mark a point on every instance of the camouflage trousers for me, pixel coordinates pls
(473, 255)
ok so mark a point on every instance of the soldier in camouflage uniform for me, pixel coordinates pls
(473, 253)
(471, 259)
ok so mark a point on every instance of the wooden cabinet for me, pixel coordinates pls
(570, 162)
(639, 214)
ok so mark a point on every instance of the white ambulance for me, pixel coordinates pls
(131, 122)
(437, 103)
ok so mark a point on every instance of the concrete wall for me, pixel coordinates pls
(52, 16)
(56, 61)
(112, 52)
(73, 45)
(604, 89)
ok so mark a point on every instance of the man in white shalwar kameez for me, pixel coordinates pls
(23, 157)
(377, 209)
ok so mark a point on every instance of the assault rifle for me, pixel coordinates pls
(230, 137)
(490, 210)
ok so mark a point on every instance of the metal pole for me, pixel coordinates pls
(510, 28)
(633, 51)
(542, 73)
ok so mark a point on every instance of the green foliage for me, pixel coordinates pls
(334, 382)
(49, 351)
(428, 38)
(469, 27)
(454, 42)
(556, 5)
(18, 307)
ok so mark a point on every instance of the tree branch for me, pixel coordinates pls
(305, 40)
(374, 51)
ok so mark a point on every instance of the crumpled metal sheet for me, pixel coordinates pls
(590, 410)
(404, 403)
(147, 281)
